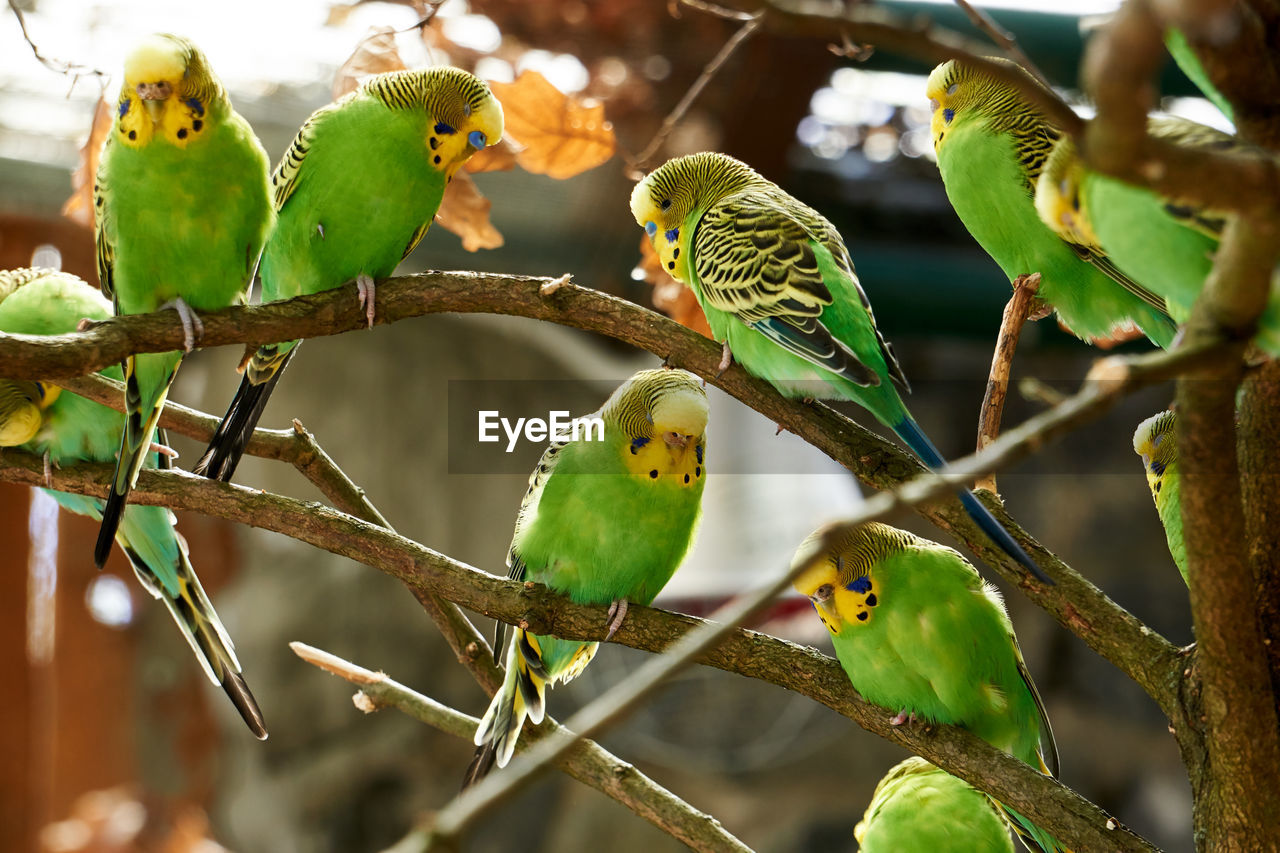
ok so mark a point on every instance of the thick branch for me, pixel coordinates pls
(587, 763)
(1083, 608)
(748, 653)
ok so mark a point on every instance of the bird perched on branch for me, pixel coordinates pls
(606, 520)
(180, 215)
(66, 428)
(918, 808)
(992, 141)
(354, 194)
(1156, 443)
(1166, 243)
(918, 631)
(779, 291)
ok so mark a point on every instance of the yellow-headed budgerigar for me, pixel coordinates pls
(992, 141)
(66, 428)
(919, 808)
(355, 194)
(1157, 444)
(779, 290)
(181, 211)
(919, 632)
(607, 519)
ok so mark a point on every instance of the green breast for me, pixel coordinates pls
(934, 812)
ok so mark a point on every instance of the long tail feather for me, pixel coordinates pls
(228, 443)
(140, 422)
(202, 629)
(1031, 836)
(909, 431)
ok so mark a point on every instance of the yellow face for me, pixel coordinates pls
(943, 91)
(22, 405)
(1059, 198)
(1154, 442)
(661, 215)
(452, 140)
(166, 93)
(841, 595)
(677, 450)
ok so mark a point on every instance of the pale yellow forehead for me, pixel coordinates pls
(685, 412)
(642, 206)
(155, 60)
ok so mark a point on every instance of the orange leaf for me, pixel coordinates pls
(375, 54)
(500, 157)
(465, 212)
(563, 136)
(79, 207)
(670, 296)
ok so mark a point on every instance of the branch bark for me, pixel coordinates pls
(755, 655)
(1016, 314)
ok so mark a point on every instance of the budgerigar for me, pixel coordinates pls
(779, 290)
(67, 429)
(1165, 243)
(991, 142)
(918, 631)
(354, 195)
(605, 520)
(181, 210)
(918, 808)
(1156, 443)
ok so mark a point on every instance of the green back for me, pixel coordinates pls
(936, 641)
(186, 222)
(366, 184)
(918, 808)
(988, 188)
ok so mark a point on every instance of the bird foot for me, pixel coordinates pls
(726, 359)
(49, 465)
(85, 324)
(366, 289)
(163, 450)
(901, 717)
(780, 429)
(617, 613)
(192, 327)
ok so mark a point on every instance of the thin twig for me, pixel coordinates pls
(641, 161)
(1007, 41)
(588, 763)
(1015, 317)
(56, 65)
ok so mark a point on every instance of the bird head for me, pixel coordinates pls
(463, 116)
(1059, 200)
(667, 199)
(662, 415)
(1155, 442)
(837, 578)
(167, 90)
(22, 405)
(959, 92)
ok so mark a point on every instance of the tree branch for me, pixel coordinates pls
(1084, 609)
(1005, 39)
(1016, 314)
(588, 763)
(749, 653)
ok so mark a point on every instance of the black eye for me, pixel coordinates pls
(666, 204)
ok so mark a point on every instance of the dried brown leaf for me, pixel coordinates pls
(562, 135)
(375, 54)
(670, 296)
(465, 212)
(500, 157)
(79, 207)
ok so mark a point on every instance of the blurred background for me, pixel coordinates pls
(111, 739)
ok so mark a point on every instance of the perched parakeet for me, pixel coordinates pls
(918, 808)
(918, 631)
(1165, 243)
(354, 195)
(181, 211)
(779, 290)
(605, 520)
(991, 143)
(1176, 42)
(1156, 443)
(67, 429)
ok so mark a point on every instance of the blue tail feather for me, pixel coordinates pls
(909, 431)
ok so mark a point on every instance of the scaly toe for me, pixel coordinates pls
(617, 613)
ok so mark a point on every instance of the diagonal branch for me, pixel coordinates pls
(756, 655)
(587, 763)
(1084, 609)
(1007, 41)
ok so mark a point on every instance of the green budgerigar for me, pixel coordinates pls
(181, 211)
(1156, 443)
(1167, 244)
(66, 428)
(919, 808)
(918, 631)
(355, 193)
(607, 519)
(991, 142)
(779, 291)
